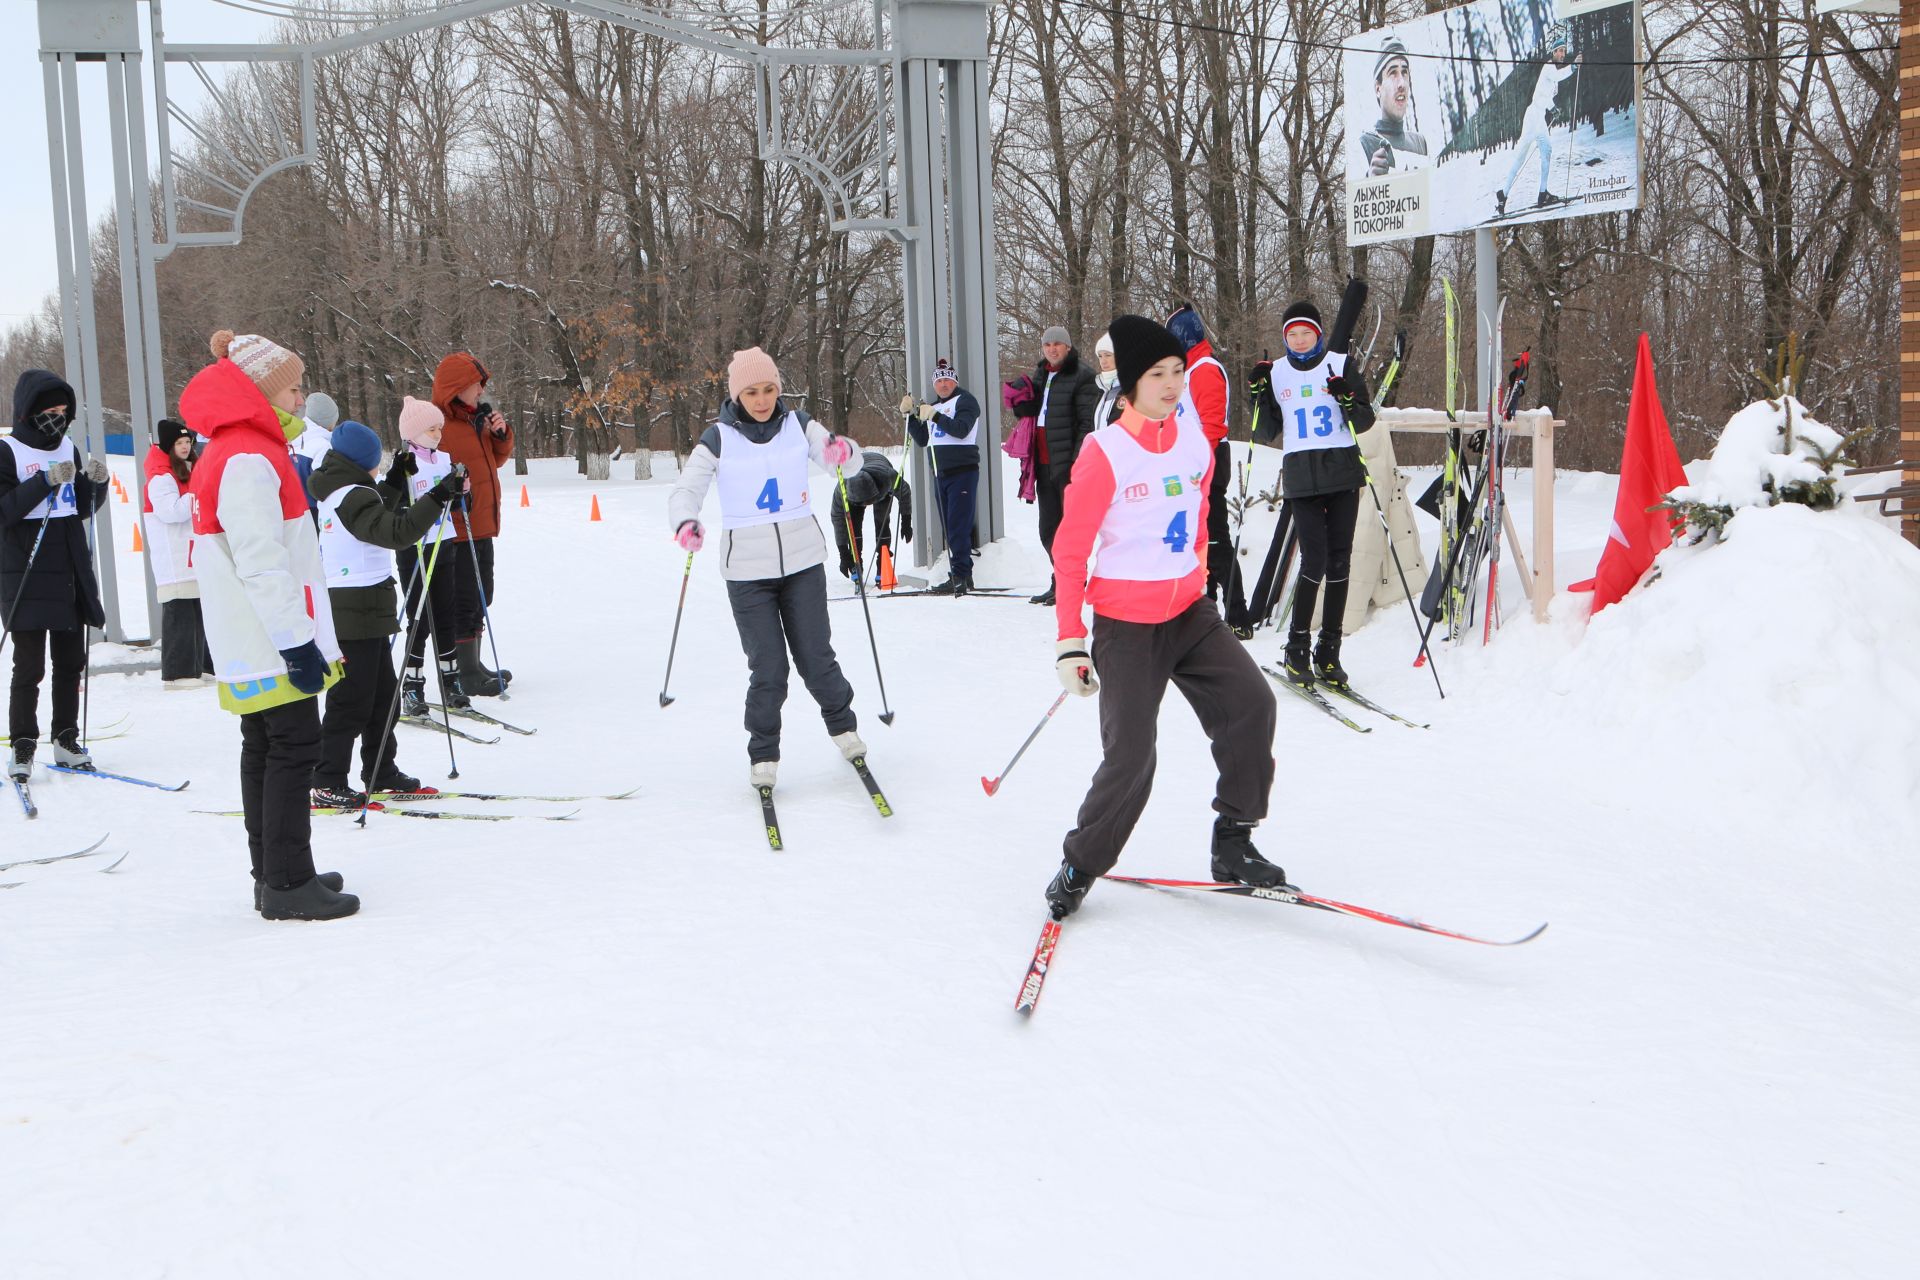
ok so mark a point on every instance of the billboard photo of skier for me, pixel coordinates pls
(1529, 110)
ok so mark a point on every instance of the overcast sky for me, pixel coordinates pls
(27, 271)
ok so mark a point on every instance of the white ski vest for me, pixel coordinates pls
(434, 466)
(940, 434)
(29, 462)
(1152, 530)
(1309, 417)
(1190, 412)
(763, 483)
(349, 562)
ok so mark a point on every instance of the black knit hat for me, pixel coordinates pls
(1138, 345)
(1301, 310)
(167, 432)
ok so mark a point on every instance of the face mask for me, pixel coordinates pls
(1106, 378)
(53, 422)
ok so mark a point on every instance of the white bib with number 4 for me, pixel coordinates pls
(28, 462)
(1152, 531)
(763, 483)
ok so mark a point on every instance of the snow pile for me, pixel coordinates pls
(1771, 451)
(1785, 651)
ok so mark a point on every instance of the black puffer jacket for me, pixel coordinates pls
(1069, 417)
(377, 515)
(61, 593)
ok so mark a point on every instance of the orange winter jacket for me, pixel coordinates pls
(482, 452)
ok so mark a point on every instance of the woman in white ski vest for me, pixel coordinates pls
(48, 595)
(1138, 501)
(772, 553)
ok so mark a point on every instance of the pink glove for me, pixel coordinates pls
(690, 536)
(837, 452)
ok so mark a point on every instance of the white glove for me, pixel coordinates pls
(926, 412)
(1074, 665)
(96, 471)
(59, 473)
(906, 405)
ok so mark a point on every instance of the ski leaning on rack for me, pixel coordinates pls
(769, 818)
(1315, 698)
(59, 857)
(481, 717)
(422, 722)
(118, 777)
(1037, 969)
(404, 797)
(874, 793)
(1359, 700)
(1293, 897)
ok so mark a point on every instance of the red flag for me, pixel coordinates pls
(1649, 470)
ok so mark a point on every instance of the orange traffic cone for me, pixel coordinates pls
(887, 580)
(524, 500)
(596, 509)
(138, 546)
(120, 488)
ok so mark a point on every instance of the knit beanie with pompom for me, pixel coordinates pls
(271, 366)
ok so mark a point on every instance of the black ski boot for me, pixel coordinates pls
(1326, 661)
(394, 780)
(951, 587)
(1067, 890)
(20, 760)
(413, 694)
(962, 586)
(310, 901)
(475, 679)
(69, 754)
(1045, 597)
(1298, 662)
(1236, 861)
(329, 879)
(1499, 204)
(336, 795)
(453, 686)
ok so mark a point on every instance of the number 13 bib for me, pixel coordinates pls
(1309, 416)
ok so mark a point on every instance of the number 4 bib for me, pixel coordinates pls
(763, 483)
(1152, 529)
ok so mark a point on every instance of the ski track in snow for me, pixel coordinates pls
(641, 1044)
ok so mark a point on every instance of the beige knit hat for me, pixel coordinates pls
(750, 368)
(417, 417)
(272, 367)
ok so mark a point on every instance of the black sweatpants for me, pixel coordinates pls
(30, 667)
(1053, 505)
(357, 709)
(439, 593)
(472, 595)
(1325, 524)
(776, 615)
(1220, 681)
(278, 749)
(183, 640)
(1219, 526)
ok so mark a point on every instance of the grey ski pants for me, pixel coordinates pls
(776, 615)
(1219, 679)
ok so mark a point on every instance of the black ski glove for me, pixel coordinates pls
(1260, 378)
(846, 564)
(1341, 390)
(446, 489)
(906, 522)
(404, 465)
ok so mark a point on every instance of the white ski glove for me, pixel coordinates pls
(96, 471)
(1074, 665)
(906, 405)
(59, 473)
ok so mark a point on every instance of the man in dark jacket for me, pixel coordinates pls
(48, 593)
(949, 429)
(876, 486)
(1069, 395)
(361, 525)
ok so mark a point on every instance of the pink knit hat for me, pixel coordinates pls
(417, 417)
(271, 366)
(750, 368)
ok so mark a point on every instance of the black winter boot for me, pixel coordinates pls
(1236, 861)
(331, 879)
(310, 901)
(475, 680)
(1045, 597)
(1298, 663)
(1326, 661)
(1067, 890)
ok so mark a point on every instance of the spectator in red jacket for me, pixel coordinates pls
(478, 436)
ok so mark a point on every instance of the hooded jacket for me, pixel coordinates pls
(257, 556)
(465, 441)
(61, 592)
(758, 551)
(377, 514)
(166, 513)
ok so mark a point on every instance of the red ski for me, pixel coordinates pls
(1037, 971)
(1293, 896)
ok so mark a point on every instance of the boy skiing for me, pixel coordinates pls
(361, 525)
(1316, 404)
(1139, 490)
(773, 557)
(48, 595)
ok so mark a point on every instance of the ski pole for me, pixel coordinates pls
(33, 554)
(992, 785)
(486, 616)
(860, 581)
(666, 699)
(399, 686)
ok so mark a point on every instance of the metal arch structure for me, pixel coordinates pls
(895, 138)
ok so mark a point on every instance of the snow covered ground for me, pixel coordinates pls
(639, 1043)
